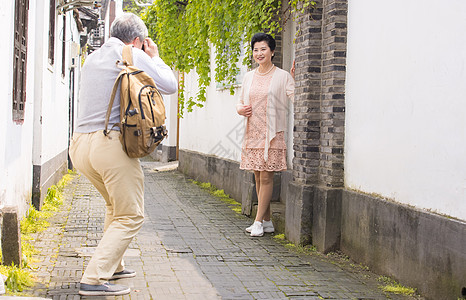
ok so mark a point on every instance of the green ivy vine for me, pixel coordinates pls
(186, 30)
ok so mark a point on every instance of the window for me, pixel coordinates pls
(63, 47)
(52, 32)
(19, 61)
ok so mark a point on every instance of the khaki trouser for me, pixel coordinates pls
(120, 180)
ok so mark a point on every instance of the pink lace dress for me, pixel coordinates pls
(252, 154)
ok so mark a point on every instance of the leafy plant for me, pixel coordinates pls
(18, 279)
(185, 32)
(35, 221)
(134, 6)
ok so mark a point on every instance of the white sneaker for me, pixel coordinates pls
(257, 229)
(268, 227)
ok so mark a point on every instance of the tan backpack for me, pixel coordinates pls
(142, 112)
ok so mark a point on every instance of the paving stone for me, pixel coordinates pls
(191, 246)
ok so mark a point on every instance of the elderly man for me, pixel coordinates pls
(101, 158)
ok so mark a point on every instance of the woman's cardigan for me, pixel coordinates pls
(281, 88)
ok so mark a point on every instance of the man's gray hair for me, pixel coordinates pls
(127, 27)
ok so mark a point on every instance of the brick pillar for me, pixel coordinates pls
(11, 237)
(333, 93)
(313, 211)
(306, 135)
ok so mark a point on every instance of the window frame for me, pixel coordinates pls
(52, 22)
(63, 52)
(20, 59)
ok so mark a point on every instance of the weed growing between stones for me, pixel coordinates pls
(35, 220)
(19, 277)
(391, 286)
(308, 249)
(220, 194)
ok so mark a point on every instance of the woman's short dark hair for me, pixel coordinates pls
(260, 37)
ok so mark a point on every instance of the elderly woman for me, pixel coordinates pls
(264, 102)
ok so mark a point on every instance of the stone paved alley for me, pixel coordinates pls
(192, 246)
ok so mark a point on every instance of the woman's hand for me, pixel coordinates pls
(244, 110)
(293, 69)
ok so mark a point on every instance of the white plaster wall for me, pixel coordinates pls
(15, 138)
(171, 112)
(75, 39)
(405, 108)
(118, 8)
(40, 56)
(106, 17)
(288, 35)
(214, 129)
(6, 83)
(54, 116)
(44, 132)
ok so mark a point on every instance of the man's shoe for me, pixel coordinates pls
(106, 289)
(126, 273)
(257, 229)
(268, 227)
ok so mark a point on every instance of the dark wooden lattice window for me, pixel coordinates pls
(63, 47)
(52, 32)
(19, 61)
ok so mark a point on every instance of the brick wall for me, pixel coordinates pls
(320, 94)
(333, 92)
(306, 136)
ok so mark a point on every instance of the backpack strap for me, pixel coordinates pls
(112, 98)
(128, 54)
(127, 60)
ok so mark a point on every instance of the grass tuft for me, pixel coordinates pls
(394, 287)
(308, 249)
(19, 277)
(35, 220)
(220, 194)
(280, 236)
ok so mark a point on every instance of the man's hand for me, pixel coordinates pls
(244, 110)
(150, 47)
